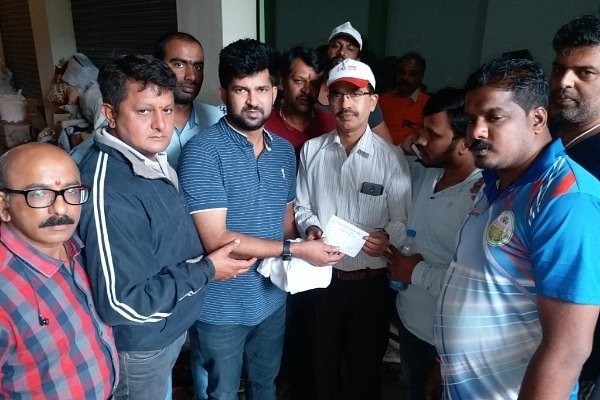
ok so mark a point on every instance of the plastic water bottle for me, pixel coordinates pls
(407, 248)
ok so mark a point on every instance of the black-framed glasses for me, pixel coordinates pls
(337, 96)
(42, 198)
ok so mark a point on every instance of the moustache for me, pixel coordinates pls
(57, 220)
(188, 83)
(252, 108)
(304, 98)
(346, 111)
(480, 145)
(563, 94)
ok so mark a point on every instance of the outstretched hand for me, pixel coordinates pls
(317, 252)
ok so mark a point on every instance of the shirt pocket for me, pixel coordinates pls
(372, 211)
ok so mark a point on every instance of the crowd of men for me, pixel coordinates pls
(158, 233)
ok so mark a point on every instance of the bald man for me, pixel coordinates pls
(53, 344)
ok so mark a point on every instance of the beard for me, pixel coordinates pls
(182, 97)
(584, 111)
(442, 160)
(241, 121)
(302, 104)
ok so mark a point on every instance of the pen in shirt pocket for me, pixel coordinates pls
(282, 173)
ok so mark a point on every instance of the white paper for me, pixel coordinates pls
(344, 235)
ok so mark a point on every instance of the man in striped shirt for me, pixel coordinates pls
(357, 176)
(517, 311)
(240, 181)
(53, 344)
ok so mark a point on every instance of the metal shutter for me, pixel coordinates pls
(19, 49)
(108, 28)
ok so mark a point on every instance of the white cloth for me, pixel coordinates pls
(436, 218)
(329, 183)
(295, 275)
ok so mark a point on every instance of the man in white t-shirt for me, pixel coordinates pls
(442, 179)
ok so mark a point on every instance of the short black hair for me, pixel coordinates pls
(161, 43)
(141, 68)
(525, 79)
(452, 101)
(246, 57)
(413, 55)
(308, 55)
(582, 31)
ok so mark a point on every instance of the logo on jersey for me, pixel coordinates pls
(501, 230)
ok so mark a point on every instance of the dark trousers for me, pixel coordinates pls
(417, 358)
(351, 331)
(297, 364)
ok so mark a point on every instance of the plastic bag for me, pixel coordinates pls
(13, 107)
(5, 80)
(80, 72)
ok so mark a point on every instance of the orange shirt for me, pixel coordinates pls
(402, 115)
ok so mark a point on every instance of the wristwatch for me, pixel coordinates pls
(287, 253)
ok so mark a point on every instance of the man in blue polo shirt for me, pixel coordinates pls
(517, 312)
(240, 181)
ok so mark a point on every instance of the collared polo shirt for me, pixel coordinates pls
(533, 238)
(218, 171)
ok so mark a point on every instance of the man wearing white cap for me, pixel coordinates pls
(357, 176)
(345, 42)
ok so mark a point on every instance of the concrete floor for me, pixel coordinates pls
(391, 387)
(183, 390)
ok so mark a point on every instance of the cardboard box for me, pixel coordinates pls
(14, 133)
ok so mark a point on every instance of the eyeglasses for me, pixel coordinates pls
(354, 96)
(42, 198)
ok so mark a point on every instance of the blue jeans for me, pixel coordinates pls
(145, 375)
(199, 374)
(222, 350)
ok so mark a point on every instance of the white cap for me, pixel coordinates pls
(346, 29)
(355, 72)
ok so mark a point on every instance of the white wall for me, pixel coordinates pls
(54, 39)
(216, 23)
(239, 20)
